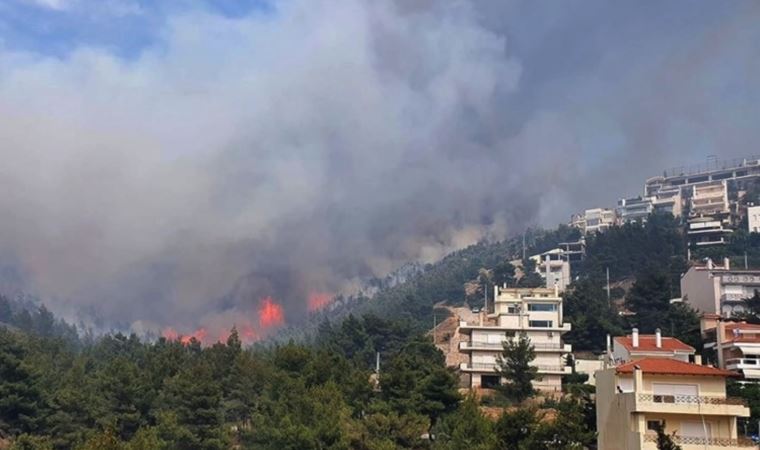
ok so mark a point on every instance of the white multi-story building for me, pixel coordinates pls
(594, 220)
(635, 209)
(719, 290)
(753, 219)
(553, 268)
(709, 199)
(534, 313)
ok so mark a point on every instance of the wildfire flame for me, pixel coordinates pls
(270, 313)
(318, 300)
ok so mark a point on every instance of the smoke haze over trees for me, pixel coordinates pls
(215, 157)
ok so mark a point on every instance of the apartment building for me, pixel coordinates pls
(688, 400)
(736, 345)
(753, 219)
(637, 346)
(735, 171)
(594, 220)
(634, 209)
(535, 313)
(720, 290)
(708, 199)
(553, 268)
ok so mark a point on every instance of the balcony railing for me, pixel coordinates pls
(494, 366)
(499, 346)
(711, 441)
(691, 399)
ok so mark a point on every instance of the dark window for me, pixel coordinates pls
(546, 307)
(540, 323)
(489, 381)
(652, 425)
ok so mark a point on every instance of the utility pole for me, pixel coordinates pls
(745, 261)
(609, 299)
(523, 252)
(435, 324)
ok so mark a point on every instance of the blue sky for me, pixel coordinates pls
(124, 27)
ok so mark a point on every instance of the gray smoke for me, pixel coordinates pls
(305, 149)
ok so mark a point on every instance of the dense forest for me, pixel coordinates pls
(122, 393)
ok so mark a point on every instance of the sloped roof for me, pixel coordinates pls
(648, 343)
(667, 366)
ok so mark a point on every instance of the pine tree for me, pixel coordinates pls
(514, 365)
(21, 402)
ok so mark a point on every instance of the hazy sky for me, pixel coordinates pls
(172, 162)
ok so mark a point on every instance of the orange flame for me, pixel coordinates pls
(318, 300)
(170, 334)
(270, 313)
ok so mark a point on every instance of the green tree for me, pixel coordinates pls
(21, 401)
(30, 442)
(195, 397)
(514, 428)
(593, 317)
(664, 441)
(465, 428)
(514, 365)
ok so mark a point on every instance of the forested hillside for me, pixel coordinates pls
(121, 393)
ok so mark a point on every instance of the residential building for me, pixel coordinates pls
(688, 400)
(637, 346)
(553, 268)
(711, 230)
(573, 251)
(708, 199)
(668, 201)
(736, 345)
(534, 313)
(635, 209)
(753, 219)
(594, 220)
(736, 170)
(718, 290)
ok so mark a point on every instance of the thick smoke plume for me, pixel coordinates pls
(274, 159)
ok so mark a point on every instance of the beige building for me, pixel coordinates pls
(714, 289)
(535, 313)
(753, 219)
(708, 199)
(736, 345)
(639, 346)
(594, 220)
(688, 400)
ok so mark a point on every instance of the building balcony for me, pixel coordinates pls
(701, 443)
(743, 363)
(491, 367)
(687, 404)
(539, 347)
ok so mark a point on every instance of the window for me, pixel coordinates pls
(652, 425)
(513, 309)
(545, 307)
(540, 323)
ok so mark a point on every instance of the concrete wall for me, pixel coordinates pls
(698, 287)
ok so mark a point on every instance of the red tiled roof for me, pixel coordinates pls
(648, 343)
(667, 366)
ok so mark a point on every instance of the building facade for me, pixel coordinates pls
(687, 400)
(554, 268)
(594, 220)
(718, 289)
(534, 313)
(753, 219)
(736, 346)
